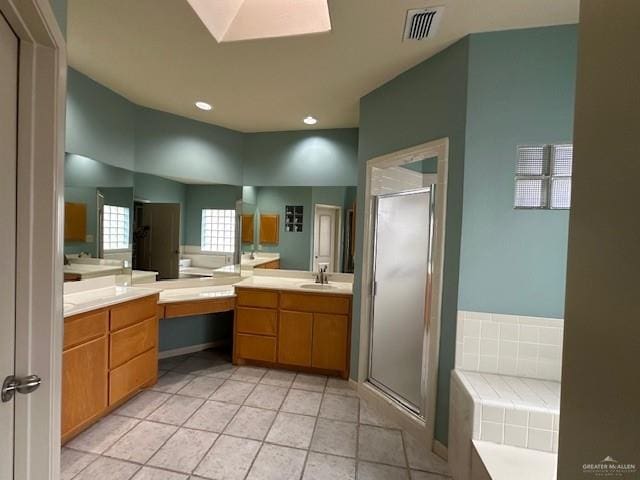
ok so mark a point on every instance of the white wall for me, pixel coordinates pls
(600, 406)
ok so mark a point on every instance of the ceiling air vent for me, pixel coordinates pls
(422, 23)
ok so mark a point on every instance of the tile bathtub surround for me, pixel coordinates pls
(248, 423)
(509, 345)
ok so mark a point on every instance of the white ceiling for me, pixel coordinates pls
(159, 54)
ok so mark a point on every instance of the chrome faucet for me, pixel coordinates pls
(252, 256)
(321, 276)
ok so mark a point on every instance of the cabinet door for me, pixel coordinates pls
(84, 384)
(247, 228)
(294, 338)
(269, 229)
(330, 339)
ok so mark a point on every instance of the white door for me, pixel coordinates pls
(324, 238)
(8, 159)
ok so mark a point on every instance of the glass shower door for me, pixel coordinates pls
(401, 270)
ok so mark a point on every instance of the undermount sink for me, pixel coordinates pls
(318, 286)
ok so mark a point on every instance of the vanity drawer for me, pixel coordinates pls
(256, 320)
(311, 302)
(257, 298)
(133, 312)
(256, 347)
(84, 327)
(132, 341)
(129, 377)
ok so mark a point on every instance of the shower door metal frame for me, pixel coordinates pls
(431, 189)
(423, 428)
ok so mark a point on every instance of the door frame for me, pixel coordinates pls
(337, 237)
(424, 429)
(39, 234)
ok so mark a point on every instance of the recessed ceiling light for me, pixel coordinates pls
(310, 120)
(203, 105)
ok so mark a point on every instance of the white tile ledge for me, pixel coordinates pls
(503, 462)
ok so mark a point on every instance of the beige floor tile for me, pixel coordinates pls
(223, 371)
(314, 383)
(233, 392)
(381, 445)
(375, 471)
(419, 475)
(339, 407)
(329, 467)
(105, 468)
(249, 374)
(251, 423)
(143, 404)
(195, 365)
(292, 430)
(266, 396)
(338, 386)
(277, 463)
(171, 382)
(73, 461)
(184, 450)
(212, 416)
(278, 378)
(370, 415)
(229, 459)
(170, 363)
(302, 402)
(176, 410)
(141, 442)
(202, 387)
(103, 434)
(336, 437)
(148, 473)
(420, 458)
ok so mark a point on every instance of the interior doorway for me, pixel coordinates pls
(327, 226)
(156, 239)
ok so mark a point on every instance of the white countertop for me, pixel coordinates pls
(103, 292)
(85, 301)
(87, 270)
(304, 284)
(504, 462)
(260, 259)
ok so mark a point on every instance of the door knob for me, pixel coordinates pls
(24, 385)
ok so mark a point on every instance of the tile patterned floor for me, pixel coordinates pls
(206, 419)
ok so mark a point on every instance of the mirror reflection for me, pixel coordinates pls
(144, 228)
(298, 228)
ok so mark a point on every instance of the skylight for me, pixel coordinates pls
(235, 20)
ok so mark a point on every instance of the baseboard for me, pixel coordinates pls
(176, 352)
(440, 449)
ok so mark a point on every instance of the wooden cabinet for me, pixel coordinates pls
(247, 228)
(108, 355)
(274, 264)
(269, 229)
(84, 385)
(75, 222)
(312, 334)
(294, 338)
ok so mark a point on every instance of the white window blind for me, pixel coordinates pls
(218, 230)
(115, 228)
(543, 176)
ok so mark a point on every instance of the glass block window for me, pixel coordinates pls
(543, 176)
(218, 230)
(115, 228)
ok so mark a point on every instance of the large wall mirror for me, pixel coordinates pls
(298, 228)
(146, 227)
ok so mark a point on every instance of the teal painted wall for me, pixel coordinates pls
(186, 331)
(521, 91)
(80, 171)
(294, 247)
(100, 123)
(425, 103)
(206, 196)
(60, 11)
(302, 158)
(177, 147)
